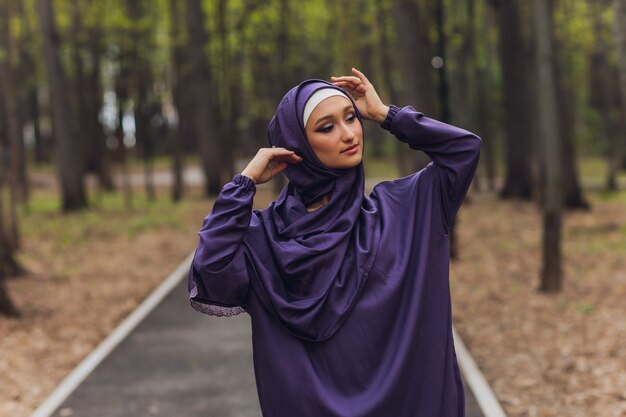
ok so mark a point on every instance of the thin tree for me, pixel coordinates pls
(514, 58)
(7, 307)
(8, 264)
(600, 89)
(86, 47)
(203, 96)
(485, 107)
(180, 122)
(283, 80)
(573, 197)
(141, 79)
(385, 51)
(28, 71)
(69, 163)
(14, 152)
(418, 85)
(443, 89)
(551, 275)
(12, 94)
(620, 36)
(231, 89)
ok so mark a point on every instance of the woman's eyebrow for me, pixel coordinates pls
(329, 116)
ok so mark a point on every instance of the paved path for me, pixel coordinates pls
(178, 363)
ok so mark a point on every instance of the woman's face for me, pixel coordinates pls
(335, 133)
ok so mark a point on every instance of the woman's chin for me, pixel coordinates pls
(349, 164)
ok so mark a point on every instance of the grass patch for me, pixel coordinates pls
(106, 218)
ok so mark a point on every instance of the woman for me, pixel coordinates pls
(348, 294)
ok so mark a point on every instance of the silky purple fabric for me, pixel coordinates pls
(311, 179)
(311, 266)
(388, 350)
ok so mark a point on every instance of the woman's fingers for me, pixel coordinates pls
(347, 78)
(269, 162)
(345, 84)
(289, 158)
(359, 86)
(278, 151)
(360, 75)
(278, 168)
(282, 154)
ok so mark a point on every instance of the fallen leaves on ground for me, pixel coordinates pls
(545, 355)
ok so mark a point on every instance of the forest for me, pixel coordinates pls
(97, 93)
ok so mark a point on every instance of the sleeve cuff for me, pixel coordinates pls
(244, 181)
(393, 110)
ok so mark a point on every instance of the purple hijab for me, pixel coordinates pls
(311, 266)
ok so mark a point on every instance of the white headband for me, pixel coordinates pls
(317, 98)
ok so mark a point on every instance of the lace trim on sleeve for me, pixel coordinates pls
(215, 310)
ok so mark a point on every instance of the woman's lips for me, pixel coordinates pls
(352, 149)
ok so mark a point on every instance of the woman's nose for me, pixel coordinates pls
(347, 134)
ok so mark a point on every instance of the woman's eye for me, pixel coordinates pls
(351, 118)
(326, 128)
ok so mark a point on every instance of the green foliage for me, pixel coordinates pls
(323, 38)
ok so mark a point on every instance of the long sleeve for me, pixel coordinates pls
(218, 281)
(454, 152)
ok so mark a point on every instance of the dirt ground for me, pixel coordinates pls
(545, 355)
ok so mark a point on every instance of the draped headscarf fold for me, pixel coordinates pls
(310, 267)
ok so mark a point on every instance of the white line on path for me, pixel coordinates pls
(485, 397)
(71, 382)
(473, 377)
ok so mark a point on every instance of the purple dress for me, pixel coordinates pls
(392, 352)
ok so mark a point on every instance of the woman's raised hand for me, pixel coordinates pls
(269, 162)
(365, 96)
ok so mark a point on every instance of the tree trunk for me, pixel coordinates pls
(202, 95)
(620, 41)
(231, 95)
(572, 192)
(180, 116)
(551, 275)
(42, 152)
(464, 74)
(7, 308)
(385, 47)
(177, 162)
(384, 67)
(485, 101)
(413, 53)
(13, 130)
(70, 166)
(143, 115)
(443, 83)
(140, 81)
(80, 114)
(123, 153)
(6, 251)
(98, 160)
(444, 97)
(12, 94)
(283, 79)
(517, 99)
(27, 63)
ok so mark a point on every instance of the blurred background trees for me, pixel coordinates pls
(89, 85)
